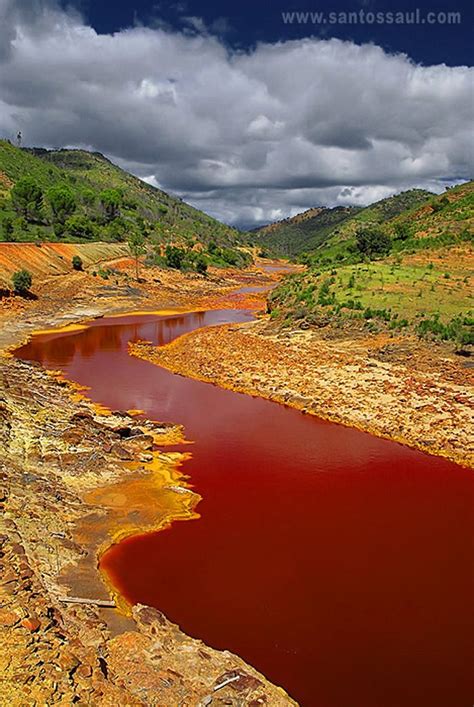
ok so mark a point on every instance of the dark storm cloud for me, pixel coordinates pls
(248, 136)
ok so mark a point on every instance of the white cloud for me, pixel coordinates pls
(243, 135)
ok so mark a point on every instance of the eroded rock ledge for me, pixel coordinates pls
(398, 389)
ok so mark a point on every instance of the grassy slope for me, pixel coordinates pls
(303, 232)
(427, 277)
(429, 224)
(319, 230)
(84, 172)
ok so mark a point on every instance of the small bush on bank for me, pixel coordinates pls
(174, 257)
(77, 263)
(22, 281)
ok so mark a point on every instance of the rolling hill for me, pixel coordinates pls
(316, 228)
(129, 203)
(420, 282)
(303, 232)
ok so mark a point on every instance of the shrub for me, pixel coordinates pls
(88, 197)
(440, 204)
(325, 296)
(59, 229)
(465, 337)
(22, 281)
(401, 232)
(229, 256)
(77, 262)
(459, 328)
(174, 257)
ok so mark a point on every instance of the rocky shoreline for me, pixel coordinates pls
(72, 476)
(399, 389)
(74, 479)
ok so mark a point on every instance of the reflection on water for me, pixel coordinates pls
(98, 356)
(337, 563)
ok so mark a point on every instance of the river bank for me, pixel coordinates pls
(75, 478)
(393, 387)
(82, 474)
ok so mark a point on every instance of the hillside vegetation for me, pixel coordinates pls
(320, 229)
(410, 272)
(303, 232)
(74, 196)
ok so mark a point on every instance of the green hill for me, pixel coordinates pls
(416, 276)
(318, 229)
(303, 232)
(97, 201)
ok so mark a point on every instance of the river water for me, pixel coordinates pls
(337, 563)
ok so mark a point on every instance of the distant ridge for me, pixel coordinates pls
(312, 229)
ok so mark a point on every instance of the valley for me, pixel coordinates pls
(150, 406)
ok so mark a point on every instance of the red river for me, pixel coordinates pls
(337, 563)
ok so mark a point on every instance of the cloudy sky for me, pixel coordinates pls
(248, 128)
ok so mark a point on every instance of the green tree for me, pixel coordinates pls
(372, 241)
(116, 230)
(201, 264)
(78, 226)
(22, 281)
(111, 200)
(27, 198)
(7, 228)
(59, 229)
(62, 202)
(401, 232)
(136, 244)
